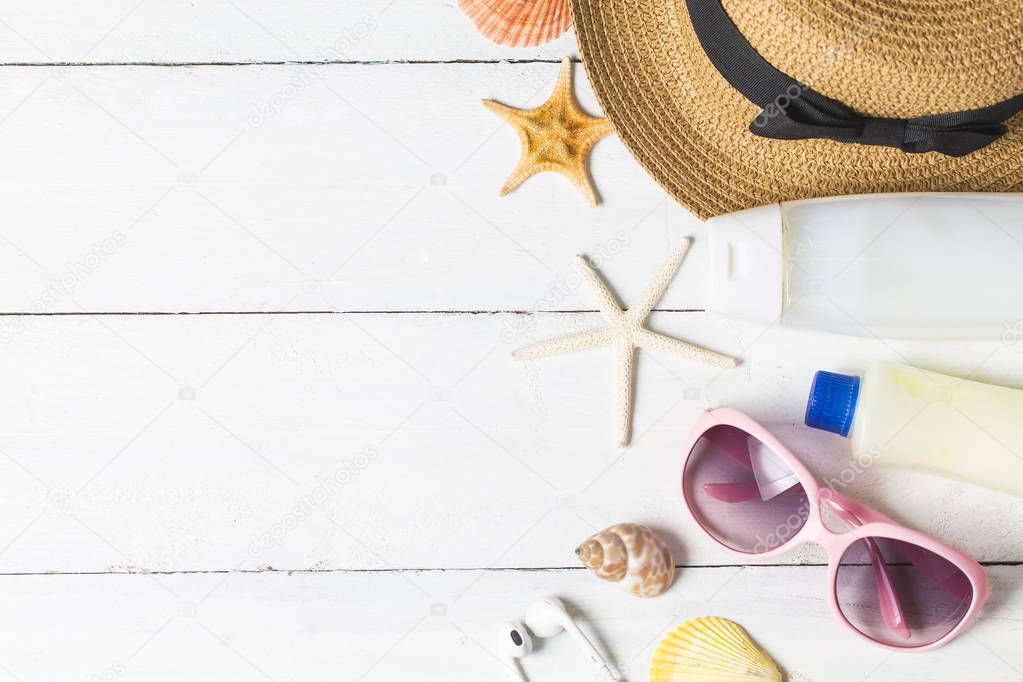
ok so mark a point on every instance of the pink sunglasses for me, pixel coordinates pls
(891, 585)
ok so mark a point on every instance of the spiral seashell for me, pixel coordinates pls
(631, 555)
(711, 649)
(519, 23)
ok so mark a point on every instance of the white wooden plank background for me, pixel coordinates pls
(351, 286)
(373, 189)
(230, 31)
(441, 625)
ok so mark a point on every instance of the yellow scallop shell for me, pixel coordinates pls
(711, 650)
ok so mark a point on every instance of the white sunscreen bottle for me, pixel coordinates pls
(946, 266)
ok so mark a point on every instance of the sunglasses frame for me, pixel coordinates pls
(874, 524)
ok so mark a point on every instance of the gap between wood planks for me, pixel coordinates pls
(295, 62)
(494, 569)
(78, 313)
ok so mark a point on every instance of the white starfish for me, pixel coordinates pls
(625, 331)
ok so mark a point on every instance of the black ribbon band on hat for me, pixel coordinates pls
(794, 111)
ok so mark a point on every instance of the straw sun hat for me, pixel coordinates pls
(731, 104)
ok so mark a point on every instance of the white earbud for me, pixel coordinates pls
(548, 616)
(516, 643)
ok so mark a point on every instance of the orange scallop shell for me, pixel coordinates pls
(519, 23)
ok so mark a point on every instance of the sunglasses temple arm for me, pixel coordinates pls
(950, 581)
(736, 446)
(888, 600)
(891, 609)
(737, 492)
(908, 552)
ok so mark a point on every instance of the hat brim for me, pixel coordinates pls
(689, 128)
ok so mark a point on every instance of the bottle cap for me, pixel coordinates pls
(832, 403)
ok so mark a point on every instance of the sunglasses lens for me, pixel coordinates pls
(900, 594)
(741, 491)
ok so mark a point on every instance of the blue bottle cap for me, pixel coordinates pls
(832, 403)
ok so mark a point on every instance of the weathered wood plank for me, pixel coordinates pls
(207, 442)
(250, 30)
(307, 188)
(444, 626)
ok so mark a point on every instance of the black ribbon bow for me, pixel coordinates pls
(794, 111)
(804, 118)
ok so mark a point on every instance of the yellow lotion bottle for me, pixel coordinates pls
(902, 416)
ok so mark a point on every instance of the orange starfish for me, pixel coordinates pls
(556, 136)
